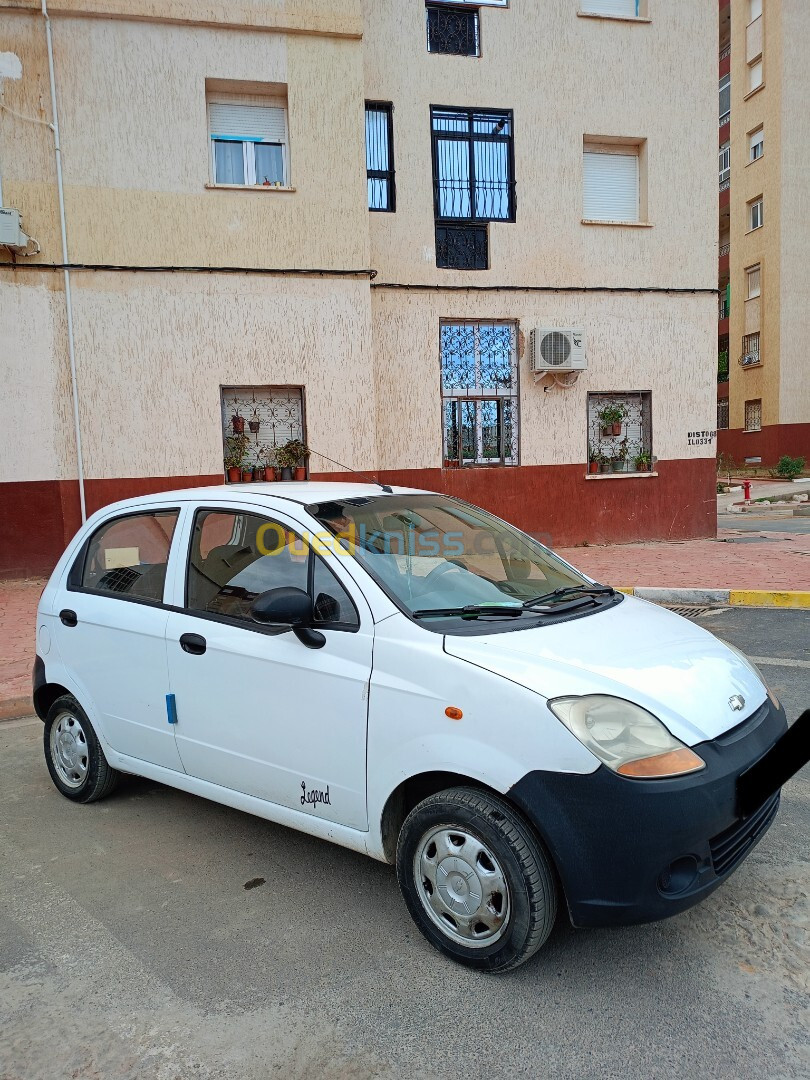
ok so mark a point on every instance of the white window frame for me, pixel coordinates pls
(249, 144)
(756, 215)
(725, 83)
(753, 282)
(724, 162)
(756, 139)
(593, 147)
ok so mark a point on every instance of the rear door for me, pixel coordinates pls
(111, 632)
(258, 711)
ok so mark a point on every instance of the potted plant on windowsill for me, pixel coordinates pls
(610, 418)
(238, 423)
(255, 423)
(247, 473)
(619, 458)
(235, 450)
(593, 460)
(292, 456)
(642, 461)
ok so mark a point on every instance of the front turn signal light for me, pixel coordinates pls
(660, 766)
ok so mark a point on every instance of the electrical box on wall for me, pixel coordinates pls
(11, 233)
(553, 349)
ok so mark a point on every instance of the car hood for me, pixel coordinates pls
(635, 650)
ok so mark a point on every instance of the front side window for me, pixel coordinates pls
(753, 415)
(479, 373)
(756, 144)
(452, 30)
(248, 144)
(380, 156)
(611, 182)
(236, 556)
(755, 214)
(432, 554)
(127, 557)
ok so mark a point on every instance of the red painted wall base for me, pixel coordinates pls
(770, 443)
(555, 502)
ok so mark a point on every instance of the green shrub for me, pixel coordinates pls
(789, 467)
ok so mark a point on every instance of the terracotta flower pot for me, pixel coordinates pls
(642, 467)
(617, 428)
(301, 472)
(258, 472)
(247, 476)
(234, 475)
(593, 467)
(238, 424)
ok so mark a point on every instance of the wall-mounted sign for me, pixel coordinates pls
(700, 438)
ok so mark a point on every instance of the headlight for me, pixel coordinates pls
(628, 739)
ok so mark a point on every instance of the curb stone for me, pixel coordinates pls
(722, 597)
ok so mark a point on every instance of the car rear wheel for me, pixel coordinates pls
(475, 879)
(73, 754)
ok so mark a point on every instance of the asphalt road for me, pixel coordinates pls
(754, 523)
(131, 948)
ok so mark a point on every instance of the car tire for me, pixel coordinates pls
(476, 879)
(73, 753)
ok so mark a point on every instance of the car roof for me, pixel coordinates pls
(300, 492)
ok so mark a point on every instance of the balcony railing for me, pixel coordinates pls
(725, 52)
(725, 118)
(725, 184)
(724, 250)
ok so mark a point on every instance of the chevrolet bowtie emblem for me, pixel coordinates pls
(737, 702)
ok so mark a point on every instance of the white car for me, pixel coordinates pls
(403, 673)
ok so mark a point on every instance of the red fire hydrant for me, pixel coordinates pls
(747, 490)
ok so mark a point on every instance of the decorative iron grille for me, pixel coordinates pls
(479, 371)
(753, 415)
(722, 414)
(473, 164)
(270, 416)
(453, 31)
(462, 247)
(380, 156)
(625, 449)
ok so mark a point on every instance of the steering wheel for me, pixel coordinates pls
(440, 571)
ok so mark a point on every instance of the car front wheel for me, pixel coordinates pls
(73, 754)
(475, 879)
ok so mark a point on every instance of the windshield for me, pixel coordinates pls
(432, 553)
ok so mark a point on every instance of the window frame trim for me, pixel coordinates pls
(470, 137)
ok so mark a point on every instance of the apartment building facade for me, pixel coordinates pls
(356, 223)
(764, 232)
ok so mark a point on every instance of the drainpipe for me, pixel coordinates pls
(57, 149)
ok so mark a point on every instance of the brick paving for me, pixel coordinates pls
(780, 562)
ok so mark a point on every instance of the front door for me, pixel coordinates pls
(112, 633)
(258, 711)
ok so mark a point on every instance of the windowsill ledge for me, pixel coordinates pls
(247, 187)
(613, 18)
(618, 475)
(756, 90)
(756, 229)
(627, 224)
(751, 430)
(754, 161)
(747, 367)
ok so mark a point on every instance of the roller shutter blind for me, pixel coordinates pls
(251, 123)
(610, 186)
(610, 7)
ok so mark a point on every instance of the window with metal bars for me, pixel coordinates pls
(753, 415)
(452, 30)
(722, 414)
(750, 350)
(473, 164)
(380, 156)
(479, 373)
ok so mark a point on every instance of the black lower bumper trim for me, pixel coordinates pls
(631, 851)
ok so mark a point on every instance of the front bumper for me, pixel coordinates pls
(631, 851)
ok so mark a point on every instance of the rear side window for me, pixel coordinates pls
(235, 557)
(128, 556)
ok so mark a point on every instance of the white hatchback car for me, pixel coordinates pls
(403, 673)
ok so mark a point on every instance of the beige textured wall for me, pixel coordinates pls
(748, 180)
(152, 352)
(659, 343)
(564, 77)
(794, 388)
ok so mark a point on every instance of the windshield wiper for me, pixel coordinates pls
(469, 611)
(571, 590)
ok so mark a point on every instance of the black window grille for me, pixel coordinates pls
(453, 30)
(380, 156)
(620, 431)
(479, 370)
(462, 247)
(722, 414)
(473, 164)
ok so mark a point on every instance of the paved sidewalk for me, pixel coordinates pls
(736, 560)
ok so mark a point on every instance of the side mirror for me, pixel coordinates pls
(288, 607)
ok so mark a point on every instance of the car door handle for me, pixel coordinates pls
(193, 643)
(68, 617)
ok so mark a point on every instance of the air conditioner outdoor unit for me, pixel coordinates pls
(11, 233)
(557, 350)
